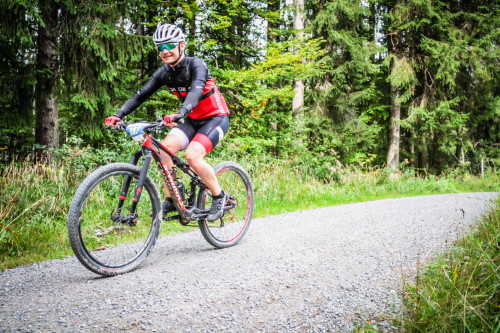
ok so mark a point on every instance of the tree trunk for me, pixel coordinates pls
(394, 126)
(47, 122)
(394, 46)
(412, 148)
(422, 154)
(273, 26)
(298, 24)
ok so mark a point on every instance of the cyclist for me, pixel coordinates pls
(203, 107)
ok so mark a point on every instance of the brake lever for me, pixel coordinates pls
(121, 126)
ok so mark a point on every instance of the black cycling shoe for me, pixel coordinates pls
(168, 206)
(217, 209)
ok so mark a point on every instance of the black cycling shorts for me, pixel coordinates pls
(208, 132)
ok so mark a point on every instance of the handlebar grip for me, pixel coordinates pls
(179, 118)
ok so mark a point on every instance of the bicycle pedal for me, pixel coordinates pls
(171, 218)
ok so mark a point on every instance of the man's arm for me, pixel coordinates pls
(148, 89)
(199, 73)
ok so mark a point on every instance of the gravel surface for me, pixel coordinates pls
(312, 271)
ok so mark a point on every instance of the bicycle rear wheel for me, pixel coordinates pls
(103, 236)
(232, 227)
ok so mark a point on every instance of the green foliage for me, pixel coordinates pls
(353, 143)
(76, 155)
(460, 292)
(94, 62)
(261, 95)
(449, 58)
(17, 74)
(444, 57)
(230, 32)
(348, 85)
(402, 76)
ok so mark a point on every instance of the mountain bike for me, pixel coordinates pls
(115, 215)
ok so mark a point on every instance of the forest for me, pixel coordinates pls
(332, 102)
(390, 83)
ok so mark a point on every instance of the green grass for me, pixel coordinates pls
(281, 188)
(36, 199)
(33, 211)
(459, 292)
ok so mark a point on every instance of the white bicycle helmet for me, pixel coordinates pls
(168, 33)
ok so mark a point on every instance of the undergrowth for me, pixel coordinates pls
(36, 198)
(459, 292)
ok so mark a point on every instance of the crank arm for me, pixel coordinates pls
(198, 214)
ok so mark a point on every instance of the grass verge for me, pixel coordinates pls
(459, 292)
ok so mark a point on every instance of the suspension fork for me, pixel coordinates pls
(141, 180)
(134, 159)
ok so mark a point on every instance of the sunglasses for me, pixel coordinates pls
(167, 47)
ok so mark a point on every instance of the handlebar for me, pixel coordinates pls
(137, 129)
(122, 125)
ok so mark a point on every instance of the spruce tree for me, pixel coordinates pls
(343, 99)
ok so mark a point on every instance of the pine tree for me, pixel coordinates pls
(80, 47)
(230, 32)
(17, 75)
(436, 40)
(401, 79)
(298, 26)
(343, 98)
(46, 108)
(99, 55)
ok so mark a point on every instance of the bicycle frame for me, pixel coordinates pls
(151, 148)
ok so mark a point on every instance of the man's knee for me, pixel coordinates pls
(195, 153)
(193, 157)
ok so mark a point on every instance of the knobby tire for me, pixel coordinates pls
(105, 247)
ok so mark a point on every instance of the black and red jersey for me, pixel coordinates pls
(191, 81)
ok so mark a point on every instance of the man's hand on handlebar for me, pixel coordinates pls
(171, 120)
(112, 121)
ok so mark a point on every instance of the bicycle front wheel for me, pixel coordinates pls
(232, 227)
(104, 236)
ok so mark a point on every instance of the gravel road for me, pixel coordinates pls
(320, 270)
